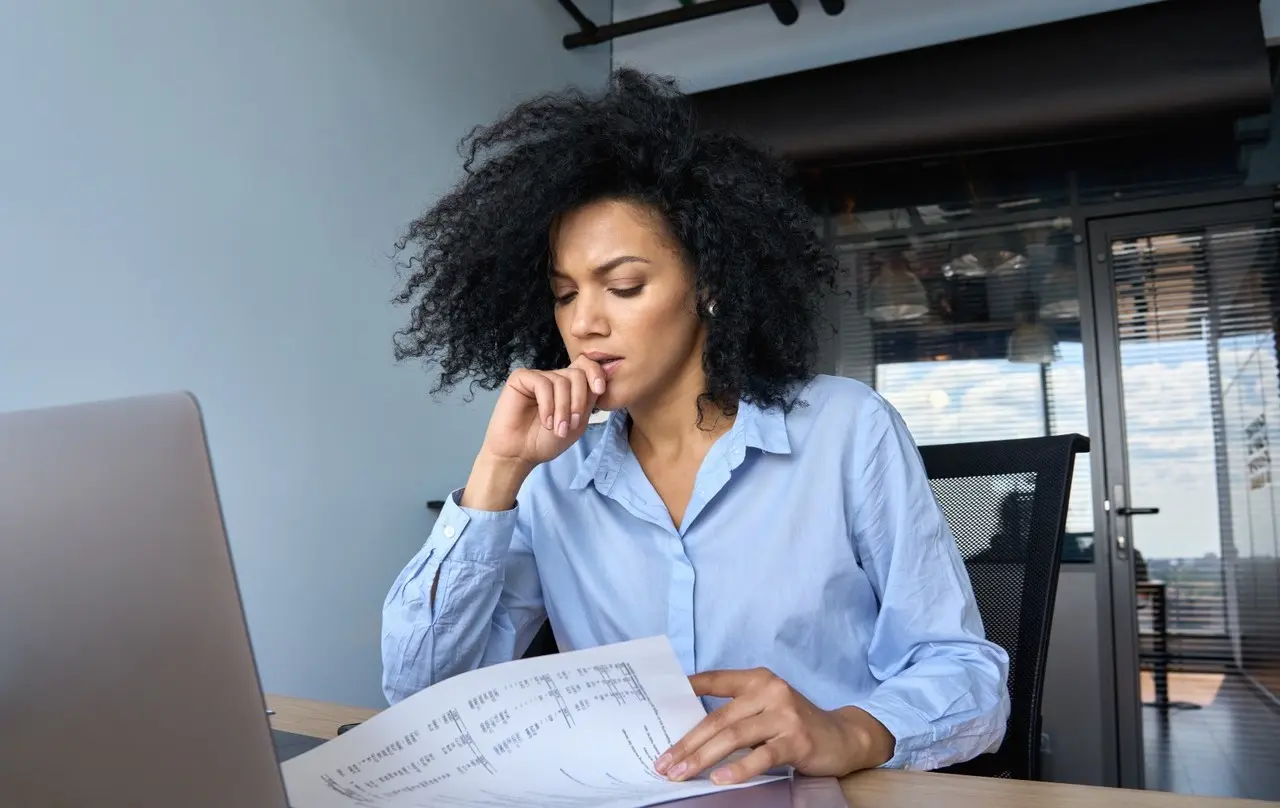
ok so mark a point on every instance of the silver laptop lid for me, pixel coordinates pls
(126, 674)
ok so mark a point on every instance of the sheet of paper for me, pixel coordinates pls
(581, 728)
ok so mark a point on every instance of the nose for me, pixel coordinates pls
(589, 318)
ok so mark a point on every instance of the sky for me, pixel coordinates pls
(1168, 421)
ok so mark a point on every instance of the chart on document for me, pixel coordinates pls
(582, 728)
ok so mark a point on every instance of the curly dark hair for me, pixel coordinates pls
(478, 269)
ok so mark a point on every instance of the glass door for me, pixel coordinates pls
(1186, 317)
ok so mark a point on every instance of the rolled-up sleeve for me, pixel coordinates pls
(488, 600)
(943, 690)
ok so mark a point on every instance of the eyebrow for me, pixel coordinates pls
(608, 266)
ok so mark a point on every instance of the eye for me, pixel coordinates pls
(630, 291)
(567, 297)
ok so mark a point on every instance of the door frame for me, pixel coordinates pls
(1123, 754)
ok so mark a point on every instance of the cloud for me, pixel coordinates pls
(1168, 424)
(991, 400)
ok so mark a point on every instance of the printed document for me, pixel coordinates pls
(581, 728)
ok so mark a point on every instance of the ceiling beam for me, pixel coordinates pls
(590, 33)
(584, 22)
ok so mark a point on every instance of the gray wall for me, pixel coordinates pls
(204, 195)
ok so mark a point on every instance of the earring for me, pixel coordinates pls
(711, 309)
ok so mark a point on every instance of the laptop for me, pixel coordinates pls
(127, 679)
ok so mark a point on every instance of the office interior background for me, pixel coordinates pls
(1052, 217)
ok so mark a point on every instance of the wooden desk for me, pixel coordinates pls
(874, 789)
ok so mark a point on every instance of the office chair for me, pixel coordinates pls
(1006, 503)
(544, 642)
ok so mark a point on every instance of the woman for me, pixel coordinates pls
(776, 525)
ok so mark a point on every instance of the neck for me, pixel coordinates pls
(668, 427)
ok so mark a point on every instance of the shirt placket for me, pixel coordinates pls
(633, 491)
(680, 627)
(628, 485)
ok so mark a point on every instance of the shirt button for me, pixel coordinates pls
(449, 532)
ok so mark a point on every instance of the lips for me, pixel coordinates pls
(608, 362)
(610, 366)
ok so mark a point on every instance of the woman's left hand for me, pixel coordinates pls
(780, 726)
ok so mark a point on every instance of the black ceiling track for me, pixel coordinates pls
(589, 33)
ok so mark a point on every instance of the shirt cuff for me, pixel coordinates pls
(910, 732)
(466, 534)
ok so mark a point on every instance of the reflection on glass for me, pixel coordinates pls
(1196, 311)
(951, 328)
(1162, 309)
(896, 294)
(990, 256)
(1032, 342)
(894, 198)
(1059, 300)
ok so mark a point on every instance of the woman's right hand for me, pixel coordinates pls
(539, 414)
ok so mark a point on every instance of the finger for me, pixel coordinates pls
(727, 683)
(754, 763)
(744, 734)
(564, 402)
(706, 729)
(578, 396)
(538, 386)
(595, 375)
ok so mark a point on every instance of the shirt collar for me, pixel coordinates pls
(763, 429)
(755, 427)
(603, 461)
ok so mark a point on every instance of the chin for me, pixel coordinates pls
(609, 401)
(615, 398)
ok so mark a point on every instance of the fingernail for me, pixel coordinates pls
(563, 429)
(678, 771)
(574, 420)
(719, 776)
(549, 422)
(662, 763)
(598, 386)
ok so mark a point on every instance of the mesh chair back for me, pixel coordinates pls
(1006, 503)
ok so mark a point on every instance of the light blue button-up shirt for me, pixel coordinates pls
(812, 546)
